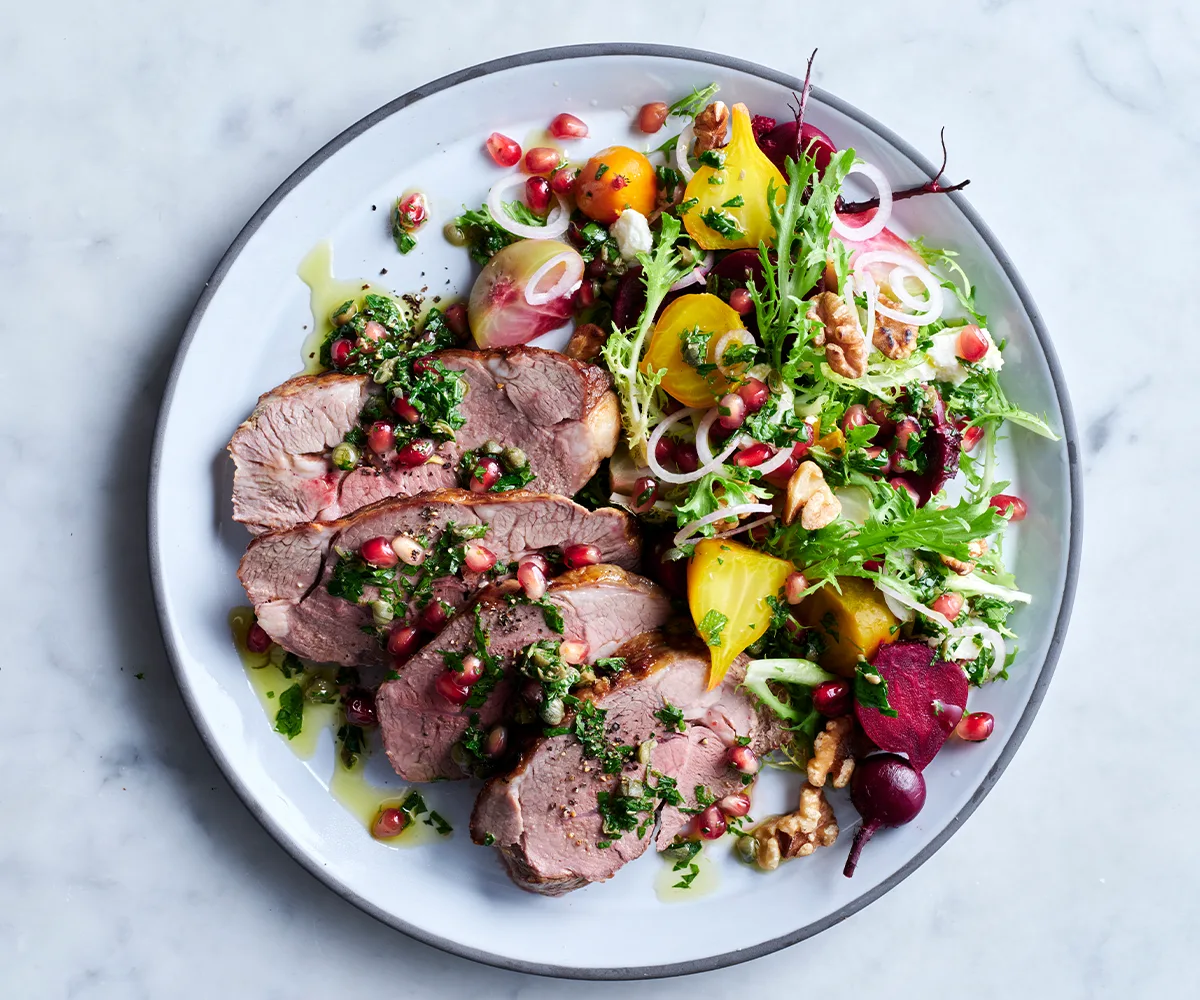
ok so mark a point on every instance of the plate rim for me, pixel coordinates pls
(1070, 436)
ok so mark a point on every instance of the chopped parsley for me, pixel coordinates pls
(722, 223)
(671, 717)
(513, 477)
(438, 822)
(601, 170)
(711, 626)
(289, 720)
(588, 727)
(737, 201)
(871, 690)
(485, 237)
(712, 158)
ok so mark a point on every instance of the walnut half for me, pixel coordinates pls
(797, 834)
(585, 342)
(710, 127)
(809, 496)
(895, 339)
(833, 757)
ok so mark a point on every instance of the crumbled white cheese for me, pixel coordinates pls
(948, 367)
(632, 233)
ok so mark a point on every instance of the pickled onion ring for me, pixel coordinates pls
(556, 222)
(683, 146)
(689, 529)
(857, 234)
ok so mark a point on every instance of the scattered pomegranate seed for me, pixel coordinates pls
(378, 551)
(477, 558)
(433, 617)
(576, 556)
(740, 301)
(948, 716)
(652, 116)
(832, 699)
(874, 452)
(585, 297)
(538, 195)
(491, 472)
(472, 670)
(855, 416)
(567, 126)
(573, 652)
(664, 451)
(971, 437)
(948, 604)
(737, 804)
(1014, 508)
(418, 451)
(905, 431)
(780, 475)
(359, 707)
(975, 727)
(413, 211)
(389, 823)
(381, 437)
(754, 393)
(405, 410)
(538, 560)
(532, 579)
(448, 686)
(543, 160)
(403, 641)
(732, 410)
(496, 742)
(257, 640)
(874, 565)
(686, 458)
(456, 319)
(755, 454)
(505, 151)
(425, 365)
(562, 181)
(743, 759)
(645, 493)
(711, 824)
(794, 588)
(972, 344)
(339, 352)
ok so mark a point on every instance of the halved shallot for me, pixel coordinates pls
(880, 219)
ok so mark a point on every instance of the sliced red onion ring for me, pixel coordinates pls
(857, 234)
(957, 636)
(933, 305)
(903, 599)
(683, 146)
(724, 342)
(556, 222)
(689, 529)
(627, 501)
(698, 274)
(679, 478)
(745, 526)
(571, 277)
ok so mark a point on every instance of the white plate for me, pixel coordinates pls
(245, 337)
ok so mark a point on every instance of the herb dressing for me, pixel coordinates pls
(326, 293)
(363, 800)
(704, 882)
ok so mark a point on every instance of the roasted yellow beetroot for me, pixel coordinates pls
(613, 180)
(853, 624)
(728, 587)
(704, 319)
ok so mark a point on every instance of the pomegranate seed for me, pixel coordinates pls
(740, 301)
(874, 453)
(378, 551)
(573, 652)
(425, 365)
(381, 437)
(532, 579)
(971, 438)
(389, 823)
(685, 456)
(257, 640)
(975, 727)
(878, 412)
(737, 804)
(972, 344)
(433, 617)
(339, 352)
(900, 483)
(562, 181)
(577, 556)
(456, 319)
(409, 550)
(542, 160)
(403, 641)
(585, 296)
(873, 565)
(664, 451)
(1014, 508)
(405, 410)
(905, 431)
(743, 759)
(780, 475)
(796, 585)
(645, 493)
(359, 707)
(472, 670)
(491, 472)
(538, 195)
(374, 332)
(477, 558)
(496, 742)
(567, 126)
(948, 604)
(832, 698)
(710, 824)
(538, 560)
(855, 416)
(413, 211)
(732, 410)
(756, 454)
(418, 451)
(652, 116)
(754, 393)
(448, 686)
(505, 151)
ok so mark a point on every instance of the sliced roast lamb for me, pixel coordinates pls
(424, 714)
(316, 596)
(579, 805)
(559, 411)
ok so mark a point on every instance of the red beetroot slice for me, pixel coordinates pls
(928, 698)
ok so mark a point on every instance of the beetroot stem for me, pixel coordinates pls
(931, 186)
(865, 833)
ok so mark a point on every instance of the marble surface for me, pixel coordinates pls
(139, 137)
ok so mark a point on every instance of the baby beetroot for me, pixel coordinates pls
(928, 699)
(887, 791)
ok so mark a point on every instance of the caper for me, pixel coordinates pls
(321, 691)
(553, 711)
(645, 749)
(491, 447)
(587, 676)
(382, 612)
(345, 456)
(679, 852)
(345, 313)
(540, 658)
(514, 458)
(455, 234)
(774, 381)
(747, 848)
(461, 756)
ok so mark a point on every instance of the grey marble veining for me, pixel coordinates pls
(138, 138)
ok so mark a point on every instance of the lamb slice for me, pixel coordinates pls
(602, 606)
(545, 817)
(559, 411)
(287, 573)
